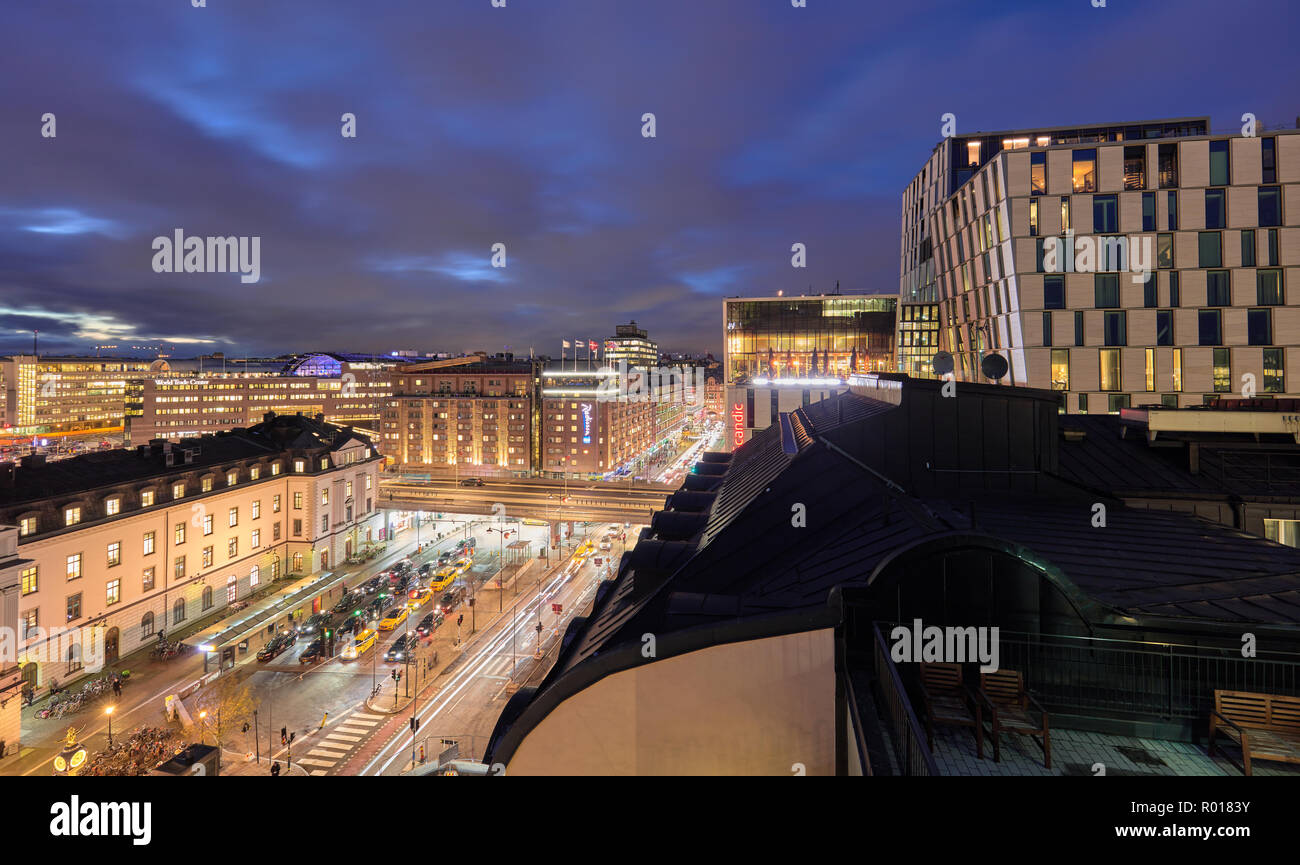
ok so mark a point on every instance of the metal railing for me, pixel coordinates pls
(1133, 679)
(911, 755)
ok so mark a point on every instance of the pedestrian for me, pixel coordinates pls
(275, 768)
(284, 735)
(117, 688)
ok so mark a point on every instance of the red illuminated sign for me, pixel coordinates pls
(737, 424)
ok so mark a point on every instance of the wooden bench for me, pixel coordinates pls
(1012, 709)
(1266, 726)
(949, 702)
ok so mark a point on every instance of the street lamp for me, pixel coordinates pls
(109, 713)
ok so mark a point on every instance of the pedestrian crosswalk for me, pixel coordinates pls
(334, 746)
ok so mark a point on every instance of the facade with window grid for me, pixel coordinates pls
(126, 544)
(1220, 214)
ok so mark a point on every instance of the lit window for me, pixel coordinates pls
(71, 516)
(113, 506)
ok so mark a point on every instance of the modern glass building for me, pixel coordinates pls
(782, 353)
(808, 337)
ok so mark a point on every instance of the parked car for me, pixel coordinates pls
(314, 652)
(399, 650)
(277, 645)
(472, 482)
(451, 599)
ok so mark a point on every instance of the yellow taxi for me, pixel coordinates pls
(585, 550)
(392, 618)
(442, 579)
(418, 598)
(364, 642)
(464, 565)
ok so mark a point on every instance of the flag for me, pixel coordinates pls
(591, 344)
(566, 343)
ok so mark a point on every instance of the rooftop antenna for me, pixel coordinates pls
(36, 350)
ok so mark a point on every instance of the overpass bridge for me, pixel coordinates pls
(531, 498)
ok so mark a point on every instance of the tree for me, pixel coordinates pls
(229, 705)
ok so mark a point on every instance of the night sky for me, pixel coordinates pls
(522, 126)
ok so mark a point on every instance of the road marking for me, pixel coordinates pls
(318, 772)
(322, 752)
(346, 738)
(311, 762)
(364, 715)
(344, 728)
(353, 720)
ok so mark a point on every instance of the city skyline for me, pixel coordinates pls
(366, 242)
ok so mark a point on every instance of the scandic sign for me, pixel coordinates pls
(738, 424)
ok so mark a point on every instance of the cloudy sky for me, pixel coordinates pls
(522, 126)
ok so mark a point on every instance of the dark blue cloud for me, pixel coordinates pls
(521, 126)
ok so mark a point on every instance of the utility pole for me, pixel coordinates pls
(257, 743)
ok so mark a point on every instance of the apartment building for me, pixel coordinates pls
(472, 415)
(122, 545)
(349, 390)
(1120, 264)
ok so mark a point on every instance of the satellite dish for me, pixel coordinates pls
(941, 363)
(993, 366)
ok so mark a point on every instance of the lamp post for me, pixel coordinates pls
(109, 713)
(203, 726)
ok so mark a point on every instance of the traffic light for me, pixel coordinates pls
(415, 725)
(460, 620)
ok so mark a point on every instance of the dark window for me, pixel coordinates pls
(1268, 157)
(1083, 403)
(1175, 298)
(1272, 247)
(1214, 208)
(1208, 321)
(1219, 174)
(1259, 326)
(1164, 327)
(1078, 327)
(1105, 213)
(1169, 400)
(1173, 211)
(1148, 211)
(1270, 205)
(1047, 328)
(1135, 167)
(1211, 251)
(1149, 296)
(1248, 248)
(1117, 401)
(1218, 291)
(1268, 287)
(1114, 325)
(1038, 253)
(1167, 165)
(1054, 291)
(1106, 290)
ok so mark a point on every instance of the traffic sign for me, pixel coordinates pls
(557, 608)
